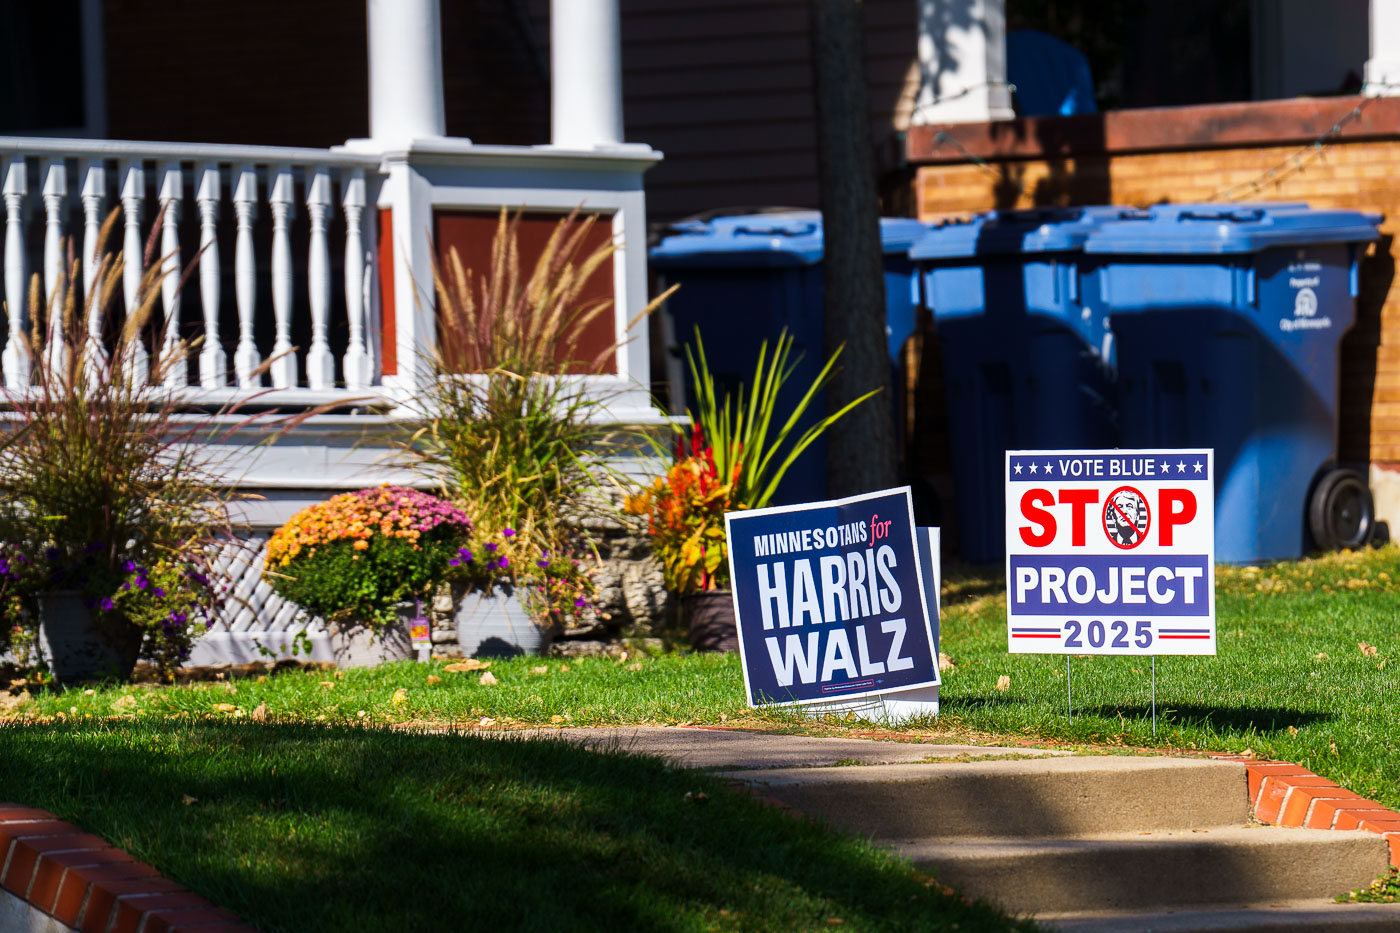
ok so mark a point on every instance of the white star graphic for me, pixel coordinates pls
(1166, 466)
(1018, 468)
(1198, 466)
(1048, 471)
(1033, 467)
(1181, 468)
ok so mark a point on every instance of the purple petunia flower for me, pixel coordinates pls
(454, 562)
(503, 563)
(508, 532)
(580, 603)
(107, 604)
(541, 563)
(158, 593)
(492, 548)
(129, 566)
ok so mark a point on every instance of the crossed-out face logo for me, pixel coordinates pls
(1126, 517)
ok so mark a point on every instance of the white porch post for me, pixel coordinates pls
(962, 59)
(405, 70)
(1383, 67)
(585, 64)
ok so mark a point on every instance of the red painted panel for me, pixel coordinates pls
(471, 233)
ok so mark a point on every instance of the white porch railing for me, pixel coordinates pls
(265, 282)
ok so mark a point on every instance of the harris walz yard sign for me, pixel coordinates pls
(830, 601)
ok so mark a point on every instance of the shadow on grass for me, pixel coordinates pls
(298, 827)
(1262, 719)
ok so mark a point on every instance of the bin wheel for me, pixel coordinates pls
(1341, 513)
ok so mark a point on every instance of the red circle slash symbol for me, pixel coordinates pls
(1126, 518)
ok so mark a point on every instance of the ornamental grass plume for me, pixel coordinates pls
(99, 469)
(105, 479)
(511, 426)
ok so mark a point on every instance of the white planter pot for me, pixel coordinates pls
(496, 625)
(354, 645)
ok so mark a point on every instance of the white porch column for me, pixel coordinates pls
(1383, 67)
(585, 64)
(405, 70)
(962, 58)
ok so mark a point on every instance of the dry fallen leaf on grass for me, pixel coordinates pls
(487, 721)
(123, 704)
(945, 663)
(470, 664)
(1320, 656)
(539, 670)
(563, 667)
(260, 713)
(488, 679)
(1003, 682)
(225, 707)
(635, 667)
(1292, 730)
(556, 719)
(186, 799)
(400, 697)
(434, 679)
(328, 684)
(1368, 650)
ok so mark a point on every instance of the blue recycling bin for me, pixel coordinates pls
(746, 277)
(1027, 362)
(1228, 321)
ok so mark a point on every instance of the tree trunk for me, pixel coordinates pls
(860, 448)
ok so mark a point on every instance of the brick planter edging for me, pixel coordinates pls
(1285, 794)
(87, 885)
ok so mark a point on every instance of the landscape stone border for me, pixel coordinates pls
(1286, 794)
(87, 885)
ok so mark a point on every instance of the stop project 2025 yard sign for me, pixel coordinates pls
(1110, 552)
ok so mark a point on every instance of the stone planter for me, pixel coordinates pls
(496, 625)
(78, 646)
(357, 645)
(709, 617)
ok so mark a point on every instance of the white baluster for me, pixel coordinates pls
(94, 193)
(172, 187)
(54, 191)
(320, 364)
(213, 363)
(16, 355)
(281, 200)
(245, 272)
(357, 362)
(133, 194)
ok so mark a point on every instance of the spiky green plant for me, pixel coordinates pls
(751, 440)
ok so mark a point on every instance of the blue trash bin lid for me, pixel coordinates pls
(1219, 229)
(769, 240)
(1000, 233)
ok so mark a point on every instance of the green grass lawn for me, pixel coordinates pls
(1289, 680)
(297, 811)
(300, 827)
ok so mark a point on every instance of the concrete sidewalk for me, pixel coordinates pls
(729, 748)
